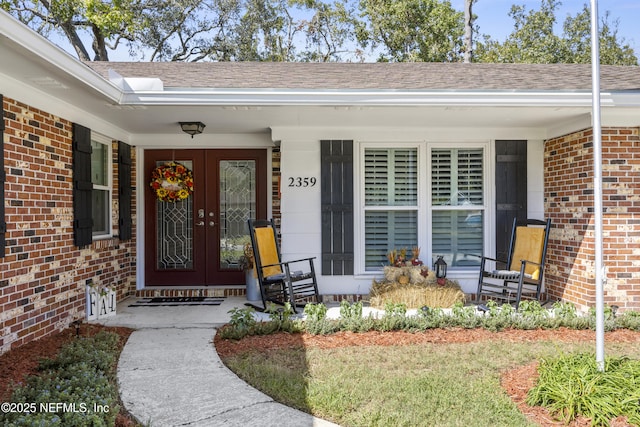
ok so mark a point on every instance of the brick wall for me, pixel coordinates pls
(275, 185)
(43, 275)
(569, 196)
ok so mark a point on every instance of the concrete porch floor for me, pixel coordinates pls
(196, 316)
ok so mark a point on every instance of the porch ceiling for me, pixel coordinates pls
(258, 119)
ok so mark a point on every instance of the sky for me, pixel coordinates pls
(493, 16)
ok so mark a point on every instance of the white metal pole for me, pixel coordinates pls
(597, 183)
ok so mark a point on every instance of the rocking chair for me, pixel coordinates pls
(522, 273)
(279, 283)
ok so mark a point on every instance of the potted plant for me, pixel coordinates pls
(247, 264)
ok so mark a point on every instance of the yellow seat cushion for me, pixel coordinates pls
(268, 251)
(529, 245)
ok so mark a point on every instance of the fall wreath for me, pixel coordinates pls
(172, 182)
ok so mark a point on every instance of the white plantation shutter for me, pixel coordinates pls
(470, 173)
(441, 177)
(391, 202)
(376, 177)
(457, 195)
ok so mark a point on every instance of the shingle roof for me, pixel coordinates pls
(376, 76)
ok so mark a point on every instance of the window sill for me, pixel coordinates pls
(102, 237)
(458, 273)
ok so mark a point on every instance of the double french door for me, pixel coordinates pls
(198, 240)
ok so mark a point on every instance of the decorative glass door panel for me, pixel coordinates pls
(175, 231)
(197, 237)
(237, 204)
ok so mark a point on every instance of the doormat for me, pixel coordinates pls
(176, 301)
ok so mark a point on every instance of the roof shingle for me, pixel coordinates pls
(376, 76)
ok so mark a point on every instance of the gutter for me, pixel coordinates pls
(444, 98)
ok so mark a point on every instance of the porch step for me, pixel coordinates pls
(175, 291)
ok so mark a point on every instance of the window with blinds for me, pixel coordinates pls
(457, 203)
(390, 202)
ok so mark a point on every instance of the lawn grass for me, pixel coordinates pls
(412, 385)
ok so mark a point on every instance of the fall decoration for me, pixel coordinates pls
(414, 286)
(172, 182)
(399, 258)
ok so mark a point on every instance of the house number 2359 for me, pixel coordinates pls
(302, 181)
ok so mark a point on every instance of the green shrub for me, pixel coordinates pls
(465, 317)
(351, 316)
(241, 324)
(498, 318)
(281, 317)
(394, 318)
(532, 310)
(79, 383)
(431, 318)
(242, 318)
(609, 318)
(531, 315)
(316, 321)
(572, 385)
(564, 310)
(629, 320)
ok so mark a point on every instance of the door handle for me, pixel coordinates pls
(200, 224)
(211, 223)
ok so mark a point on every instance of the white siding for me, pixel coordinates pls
(300, 206)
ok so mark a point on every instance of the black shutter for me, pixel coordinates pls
(124, 190)
(337, 207)
(3, 178)
(511, 190)
(82, 186)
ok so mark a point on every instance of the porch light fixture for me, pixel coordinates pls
(192, 128)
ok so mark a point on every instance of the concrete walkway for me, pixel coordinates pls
(170, 374)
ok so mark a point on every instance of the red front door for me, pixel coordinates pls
(198, 241)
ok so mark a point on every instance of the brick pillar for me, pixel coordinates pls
(569, 202)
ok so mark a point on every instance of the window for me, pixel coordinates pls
(426, 195)
(101, 180)
(390, 202)
(457, 203)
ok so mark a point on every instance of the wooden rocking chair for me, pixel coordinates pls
(279, 282)
(522, 273)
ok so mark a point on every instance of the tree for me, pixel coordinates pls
(73, 17)
(185, 30)
(468, 30)
(533, 39)
(265, 32)
(330, 32)
(613, 50)
(312, 30)
(195, 30)
(412, 30)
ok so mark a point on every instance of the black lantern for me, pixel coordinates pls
(441, 270)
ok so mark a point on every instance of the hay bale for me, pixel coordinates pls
(414, 273)
(415, 295)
